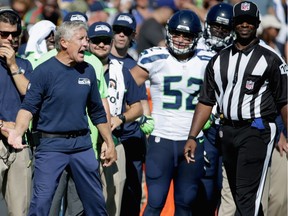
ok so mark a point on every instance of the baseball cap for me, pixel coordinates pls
(125, 20)
(98, 6)
(100, 29)
(270, 21)
(75, 16)
(246, 11)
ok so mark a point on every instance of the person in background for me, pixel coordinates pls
(21, 6)
(75, 5)
(152, 31)
(67, 84)
(133, 137)
(46, 10)
(15, 166)
(141, 10)
(200, 10)
(98, 12)
(176, 74)
(268, 32)
(40, 41)
(248, 80)
(217, 35)
(123, 92)
(281, 7)
(265, 7)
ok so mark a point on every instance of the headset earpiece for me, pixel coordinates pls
(19, 25)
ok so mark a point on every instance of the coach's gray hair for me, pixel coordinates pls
(66, 31)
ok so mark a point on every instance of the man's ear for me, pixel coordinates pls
(64, 43)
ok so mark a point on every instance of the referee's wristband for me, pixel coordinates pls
(192, 137)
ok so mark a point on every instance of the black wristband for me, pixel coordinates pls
(192, 137)
(122, 117)
(19, 71)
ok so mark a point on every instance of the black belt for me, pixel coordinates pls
(69, 134)
(235, 123)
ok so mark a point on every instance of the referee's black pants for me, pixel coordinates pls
(246, 154)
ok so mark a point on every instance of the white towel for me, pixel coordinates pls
(37, 33)
(116, 87)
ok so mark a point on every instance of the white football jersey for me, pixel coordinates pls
(175, 87)
(201, 45)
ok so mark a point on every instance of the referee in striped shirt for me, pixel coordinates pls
(248, 80)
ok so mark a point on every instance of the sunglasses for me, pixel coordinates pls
(6, 34)
(98, 40)
(124, 30)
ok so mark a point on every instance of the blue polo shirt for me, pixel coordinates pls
(10, 99)
(59, 95)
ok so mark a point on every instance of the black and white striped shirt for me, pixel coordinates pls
(246, 84)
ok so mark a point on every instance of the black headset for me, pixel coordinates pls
(7, 10)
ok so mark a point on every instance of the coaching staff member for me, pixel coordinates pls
(249, 83)
(15, 73)
(60, 90)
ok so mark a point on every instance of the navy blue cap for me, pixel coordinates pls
(97, 6)
(125, 20)
(164, 3)
(99, 29)
(75, 16)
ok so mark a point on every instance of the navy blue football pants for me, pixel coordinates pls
(165, 161)
(135, 150)
(84, 169)
(210, 186)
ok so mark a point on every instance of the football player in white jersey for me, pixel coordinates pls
(176, 74)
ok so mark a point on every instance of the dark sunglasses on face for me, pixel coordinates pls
(98, 40)
(6, 34)
(119, 29)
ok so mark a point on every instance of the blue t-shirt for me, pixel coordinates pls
(131, 95)
(128, 61)
(59, 95)
(131, 129)
(10, 98)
